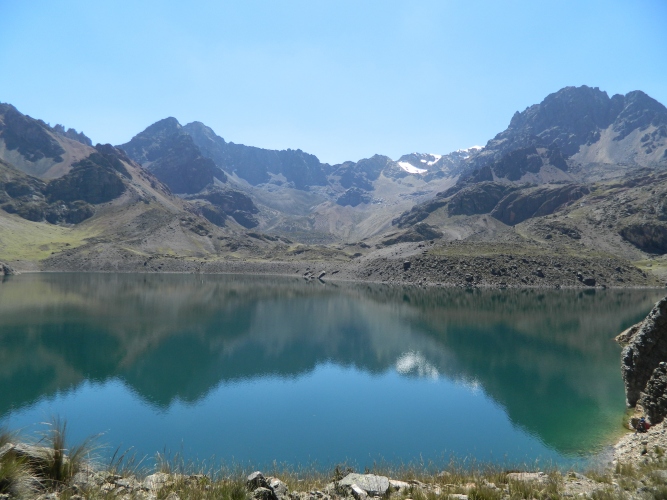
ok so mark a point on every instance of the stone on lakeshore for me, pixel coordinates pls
(358, 493)
(156, 481)
(589, 281)
(398, 485)
(370, 483)
(279, 488)
(5, 270)
(256, 480)
(406, 265)
(538, 477)
(173, 496)
(321, 275)
(263, 493)
(87, 479)
(457, 496)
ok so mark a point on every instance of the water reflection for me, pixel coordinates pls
(546, 356)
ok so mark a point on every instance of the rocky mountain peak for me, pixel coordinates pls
(569, 117)
(639, 112)
(148, 145)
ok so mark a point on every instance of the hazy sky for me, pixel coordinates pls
(340, 79)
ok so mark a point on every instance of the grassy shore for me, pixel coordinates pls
(51, 469)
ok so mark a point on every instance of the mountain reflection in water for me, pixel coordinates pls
(547, 357)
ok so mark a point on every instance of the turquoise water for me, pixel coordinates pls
(256, 370)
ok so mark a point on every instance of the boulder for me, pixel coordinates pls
(279, 488)
(398, 485)
(589, 281)
(256, 480)
(646, 348)
(262, 493)
(358, 493)
(370, 483)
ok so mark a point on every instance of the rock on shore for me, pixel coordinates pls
(5, 270)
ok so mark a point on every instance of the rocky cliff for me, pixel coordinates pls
(643, 363)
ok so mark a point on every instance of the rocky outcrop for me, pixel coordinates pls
(479, 198)
(70, 133)
(649, 236)
(419, 232)
(353, 197)
(518, 206)
(227, 202)
(641, 358)
(654, 396)
(93, 180)
(419, 212)
(28, 136)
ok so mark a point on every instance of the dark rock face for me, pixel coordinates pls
(479, 198)
(648, 236)
(227, 202)
(654, 396)
(646, 349)
(524, 204)
(27, 197)
(183, 169)
(94, 180)
(353, 197)
(70, 133)
(28, 136)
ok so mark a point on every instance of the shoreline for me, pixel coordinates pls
(458, 479)
(305, 272)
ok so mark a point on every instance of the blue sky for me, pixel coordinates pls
(340, 79)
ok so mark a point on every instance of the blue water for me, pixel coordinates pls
(253, 371)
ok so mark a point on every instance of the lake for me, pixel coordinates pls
(254, 370)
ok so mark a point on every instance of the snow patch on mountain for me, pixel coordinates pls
(469, 151)
(431, 162)
(411, 169)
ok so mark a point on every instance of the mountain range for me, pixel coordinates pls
(578, 173)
